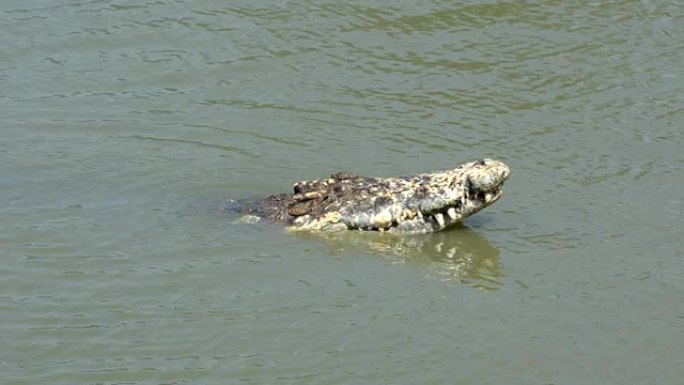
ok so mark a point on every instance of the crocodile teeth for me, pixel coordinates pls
(382, 219)
(452, 213)
(440, 219)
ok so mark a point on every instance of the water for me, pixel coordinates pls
(125, 124)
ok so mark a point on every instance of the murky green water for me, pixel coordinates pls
(125, 123)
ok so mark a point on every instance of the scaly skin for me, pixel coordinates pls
(411, 204)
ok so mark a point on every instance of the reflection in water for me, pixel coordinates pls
(457, 254)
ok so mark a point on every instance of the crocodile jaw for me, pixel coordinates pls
(446, 216)
(475, 186)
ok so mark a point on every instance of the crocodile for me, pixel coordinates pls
(419, 203)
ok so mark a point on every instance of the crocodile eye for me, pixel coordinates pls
(481, 162)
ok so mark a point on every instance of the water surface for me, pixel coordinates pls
(125, 124)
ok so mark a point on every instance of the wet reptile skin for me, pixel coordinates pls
(412, 204)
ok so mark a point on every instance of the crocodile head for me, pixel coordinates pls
(415, 204)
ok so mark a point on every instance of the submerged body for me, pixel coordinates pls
(413, 204)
